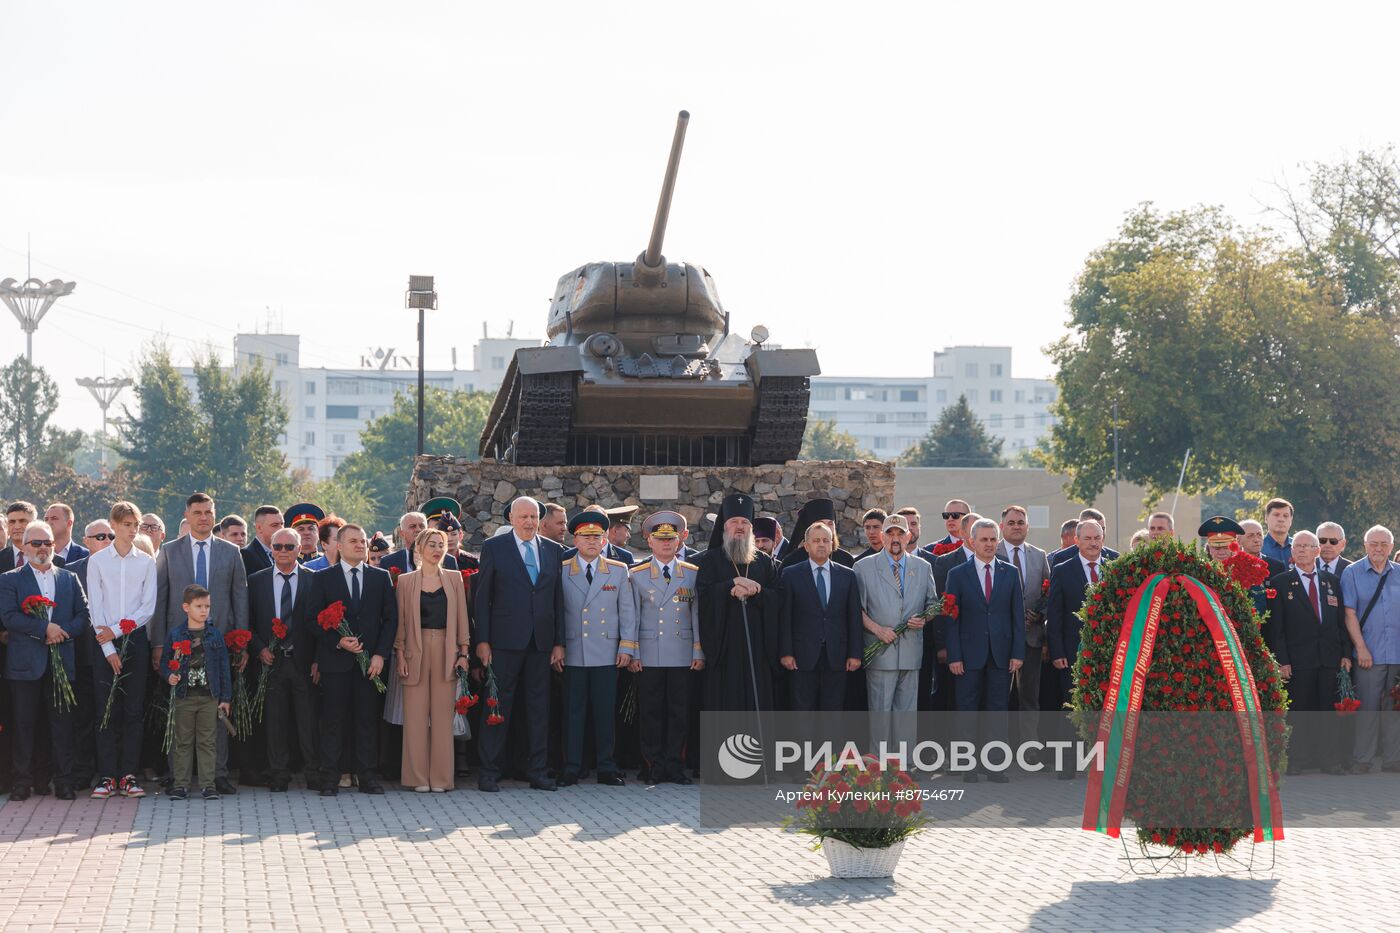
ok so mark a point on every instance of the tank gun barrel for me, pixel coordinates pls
(652, 258)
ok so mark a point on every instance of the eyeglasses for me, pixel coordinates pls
(149, 527)
(1329, 540)
(39, 544)
(949, 516)
(285, 547)
(103, 536)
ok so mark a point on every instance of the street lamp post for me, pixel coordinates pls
(422, 297)
(29, 301)
(105, 392)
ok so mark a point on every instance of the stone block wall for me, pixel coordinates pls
(484, 487)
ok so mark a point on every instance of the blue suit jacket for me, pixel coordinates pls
(28, 655)
(804, 625)
(983, 629)
(510, 610)
(1067, 586)
(76, 552)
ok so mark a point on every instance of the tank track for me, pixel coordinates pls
(781, 419)
(543, 416)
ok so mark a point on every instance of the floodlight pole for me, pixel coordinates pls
(422, 296)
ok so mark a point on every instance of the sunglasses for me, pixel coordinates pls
(949, 516)
(103, 536)
(39, 544)
(1329, 540)
(285, 547)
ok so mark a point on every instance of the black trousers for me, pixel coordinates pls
(119, 745)
(289, 704)
(663, 710)
(85, 718)
(526, 674)
(819, 689)
(349, 706)
(589, 693)
(1320, 738)
(30, 700)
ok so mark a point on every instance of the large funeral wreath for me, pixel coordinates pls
(1193, 765)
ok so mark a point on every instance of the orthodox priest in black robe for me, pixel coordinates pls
(740, 602)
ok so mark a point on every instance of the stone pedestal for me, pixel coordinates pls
(484, 487)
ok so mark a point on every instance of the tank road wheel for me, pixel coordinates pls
(781, 418)
(543, 418)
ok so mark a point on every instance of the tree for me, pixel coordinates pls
(28, 399)
(453, 421)
(823, 442)
(224, 442)
(957, 439)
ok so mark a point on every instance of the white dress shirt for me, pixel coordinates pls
(533, 544)
(825, 572)
(208, 553)
(345, 568)
(120, 588)
(46, 581)
(982, 567)
(1098, 566)
(277, 590)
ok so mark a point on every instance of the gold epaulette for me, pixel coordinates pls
(615, 563)
(644, 565)
(687, 566)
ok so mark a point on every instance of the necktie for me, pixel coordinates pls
(1016, 553)
(531, 566)
(1093, 571)
(821, 585)
(987, 582)
(666, 572)
(589, 573)
(1312, 595)
(285, 605)
(355, 588)
(898, 577)
(201, 566)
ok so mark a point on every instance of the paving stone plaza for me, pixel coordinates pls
(630, 858)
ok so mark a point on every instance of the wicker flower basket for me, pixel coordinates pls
(848, 861)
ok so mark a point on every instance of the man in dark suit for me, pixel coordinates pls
(953, 513)
(1307, 633)
(282, 592)
(28, 667)
(1333, 541)
(1069, 580)
(1065, 553)
(620, 534)
(18, 515)
(59, 515)
(349, 698)
(1252, 543)
(267, 520)
(820, 629)
(520, 635)
(411, 525)
(987, 637)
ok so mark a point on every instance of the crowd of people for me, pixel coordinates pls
(307, 650)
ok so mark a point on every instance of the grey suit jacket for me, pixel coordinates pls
(1037, 574)
(880, 599)
(600, 618)
(228, 586)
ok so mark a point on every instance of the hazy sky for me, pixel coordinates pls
(875, 180)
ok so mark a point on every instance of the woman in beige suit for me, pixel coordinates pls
(431, 645)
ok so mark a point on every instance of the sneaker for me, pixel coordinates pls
(105, 788)
(178, 793)
(345, 780)
(130, 788)
(210, 793)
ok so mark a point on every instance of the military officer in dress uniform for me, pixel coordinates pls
(304, 518)
(600, 636)
(668, 630)
(620, 533)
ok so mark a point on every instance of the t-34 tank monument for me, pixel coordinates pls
(641, 368)
(644, 396)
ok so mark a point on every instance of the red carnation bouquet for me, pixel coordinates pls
(127, 626)
(1347, 703)
(181, 650)
(63, 695)
(493, 699)
(1246, 569)
(236, 641)
(877, 647)
(394, 575)
(465, 698)
(869, 805)
(946, 547)
(279, 643)
(332, 619)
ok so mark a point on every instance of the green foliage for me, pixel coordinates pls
(823, 442)
(957, 439)
(225, 443)
(381, 470)
(28, 399)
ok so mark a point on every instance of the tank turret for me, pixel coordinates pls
(640, 368)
